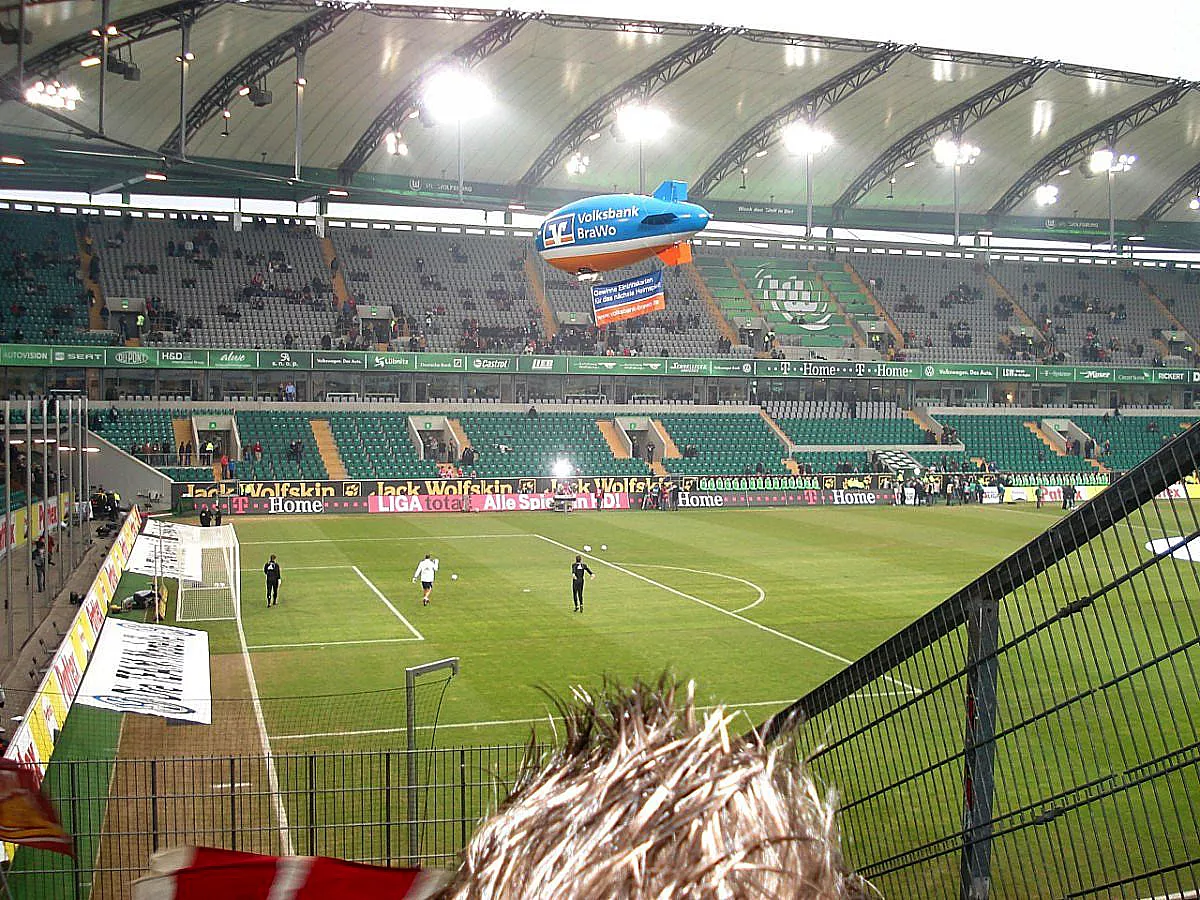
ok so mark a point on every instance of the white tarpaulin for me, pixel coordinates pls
(168, 550)
(1183, 548)
(152, 670)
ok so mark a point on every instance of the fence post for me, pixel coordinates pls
(979, 747)
(312, 804)
(232, 805)
(76, 863)
(154, 805)
(462, 797)
(387, 805)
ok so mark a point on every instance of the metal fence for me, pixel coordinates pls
(358, 806)
(1037, 734)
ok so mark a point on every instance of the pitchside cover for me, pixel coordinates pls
(628, 299)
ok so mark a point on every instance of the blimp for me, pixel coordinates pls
(597, 234)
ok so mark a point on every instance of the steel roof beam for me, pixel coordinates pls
(641, 86)
(955, 121)
(503, 28)
(253, 68)
(1105, 133)
(808, 106)
(1186, 184)
(133, 28)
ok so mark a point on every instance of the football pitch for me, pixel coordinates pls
(756, 606)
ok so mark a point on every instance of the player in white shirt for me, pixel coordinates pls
(426, 570)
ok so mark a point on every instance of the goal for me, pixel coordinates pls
(217, 595)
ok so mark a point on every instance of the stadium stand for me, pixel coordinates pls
(870, 424)
(1131, 438)
(684, 329)
(378, 445)
(724, 443)
(278, 432)
(1006, 442)
(447, 292)
(211, 286)
(44, 298)
(514, 444)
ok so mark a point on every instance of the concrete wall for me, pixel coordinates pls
(133, 479)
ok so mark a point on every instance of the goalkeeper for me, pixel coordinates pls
(426, 570)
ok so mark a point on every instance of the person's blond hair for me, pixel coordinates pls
(649, 798)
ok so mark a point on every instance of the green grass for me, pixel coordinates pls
(834, 583)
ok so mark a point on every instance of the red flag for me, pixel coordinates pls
(26, 815)
(201, 873)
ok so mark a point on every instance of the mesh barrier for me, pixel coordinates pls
(218, 592)
(1037, 734)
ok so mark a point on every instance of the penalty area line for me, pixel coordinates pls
(332, 643)
(361, 540)
(388, 603)
(499, 723)
(725, 612)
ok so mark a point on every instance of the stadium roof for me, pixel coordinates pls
(558, 81)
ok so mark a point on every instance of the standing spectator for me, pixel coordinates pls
(205, 516)
(217, 514)
(39, 564)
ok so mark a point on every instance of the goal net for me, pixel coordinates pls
(218, 593)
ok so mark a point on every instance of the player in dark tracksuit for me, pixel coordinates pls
(274, 576)
(578, 569)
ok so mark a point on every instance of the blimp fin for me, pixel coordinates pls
(671, 191)
(676, 254)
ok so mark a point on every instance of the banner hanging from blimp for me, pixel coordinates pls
(628, 299)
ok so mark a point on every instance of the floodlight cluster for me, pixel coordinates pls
(947, 152)
(54, 95)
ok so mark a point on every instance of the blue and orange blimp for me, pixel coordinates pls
(596, 234)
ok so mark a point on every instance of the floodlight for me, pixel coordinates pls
(1046, 195)
(954, 153)
(1100, 161)
(803, 139)
(1064, 172)
(338, 192)
(394, 143)
(1194, 203)
(578, 163)
(155, 176)
(455, 95)
(88, 61)
(562, 468)
(243, 90)
(12, 160)
(53, 94)
(760, 154)
(642, 123)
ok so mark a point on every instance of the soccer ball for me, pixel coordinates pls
(604, 546)
(587, 548)
(454, 578)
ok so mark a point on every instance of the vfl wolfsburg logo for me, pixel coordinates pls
(789, 293)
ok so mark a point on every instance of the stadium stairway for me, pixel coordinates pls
(538, 290)
(1004, 292)
(182, 426)
(620, 449)
(741, 280)
(710, 302)
(340, 292)
(882, 313)
(1044, 438)
(832, 288)
(459, 433)
(1152, 296)
(791, 465)
(775, 427)
(658, 468)
(95, 322)
(327, 447)
(670, 448)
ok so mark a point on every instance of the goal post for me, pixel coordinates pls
(449, 668)
(217, 595)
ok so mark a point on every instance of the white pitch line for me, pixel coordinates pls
(333, 643)
(387, 603)
(725, 612)
(485, 723)
(285, 833)
(762, 595)
(303, 568)
(360, 540)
